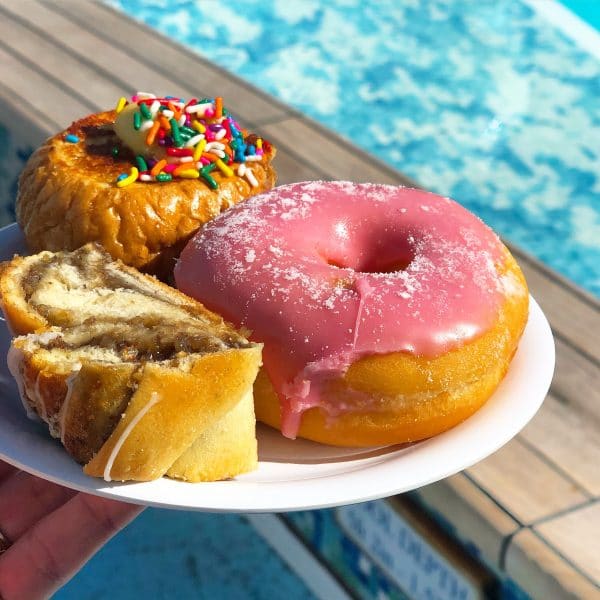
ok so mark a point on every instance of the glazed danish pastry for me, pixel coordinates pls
(141, 181)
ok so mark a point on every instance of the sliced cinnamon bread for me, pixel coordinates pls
(135, 378)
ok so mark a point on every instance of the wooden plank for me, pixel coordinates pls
(475, 517)
(54, 104)
(128, 74)
(577, 380)
(569, 439)
(558, 278)
(19, 116)
(525, 485)
(574, 318)
(328, 154)
(543, 573)
(172, 61)
(62, 67)
(290, 170)
(577, 536)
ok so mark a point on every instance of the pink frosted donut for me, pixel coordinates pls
(387, 314)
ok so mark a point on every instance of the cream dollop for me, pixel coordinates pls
(135, 139)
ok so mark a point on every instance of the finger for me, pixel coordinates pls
(6, 470)
(47, 556)
(25, 499)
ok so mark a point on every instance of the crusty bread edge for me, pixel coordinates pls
(20, 317)
(205, 461)
(225, 378)
(190, 405)
(23, 320)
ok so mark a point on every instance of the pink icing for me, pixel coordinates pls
(303, 267)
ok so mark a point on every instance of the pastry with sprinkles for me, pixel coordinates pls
(141, 179)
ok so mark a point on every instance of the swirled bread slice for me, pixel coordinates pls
(136, 379)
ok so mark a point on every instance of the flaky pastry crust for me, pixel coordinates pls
(67, 197)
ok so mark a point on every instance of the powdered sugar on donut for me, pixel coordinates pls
(324, 273)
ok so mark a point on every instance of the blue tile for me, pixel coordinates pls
(171, 554)
(588, 10)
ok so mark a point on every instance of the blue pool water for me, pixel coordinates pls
(176, 555)
(588, 10)
(489, 104)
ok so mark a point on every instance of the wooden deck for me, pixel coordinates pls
(533, 508)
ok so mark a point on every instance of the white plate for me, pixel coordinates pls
(297, 475)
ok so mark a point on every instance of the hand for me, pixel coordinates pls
(52, 530)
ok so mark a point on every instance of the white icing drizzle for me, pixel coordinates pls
(44, 338)
(64, 409)
(41, 406)
(14, 361)
(154, 399)
(363, 295)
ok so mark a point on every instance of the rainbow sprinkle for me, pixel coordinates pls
(121, 104)
(128, 179)
(189, 140)
(72, 139)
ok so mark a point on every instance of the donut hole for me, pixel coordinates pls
(380, 261)
(363, 249)
(338, 264)
(387, 266)
(392, 266)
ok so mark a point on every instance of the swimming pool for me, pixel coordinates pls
(588, 11)
(491, 105)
